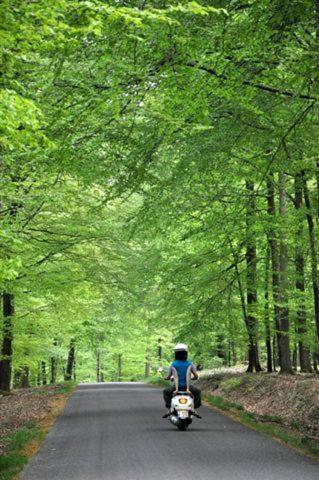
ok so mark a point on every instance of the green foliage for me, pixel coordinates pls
(19, 439)
(223, 404)
(127, 136)
(12, 462)
(10, 465)
(232, 384)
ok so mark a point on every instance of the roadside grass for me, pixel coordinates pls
(61, 388)
(265, 424)
(25, 442)
(14, 460)
(232, 383)
(67, 387)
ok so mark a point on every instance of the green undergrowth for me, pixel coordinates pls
(13, 461)
(158, 382)
(232, 383)
(267, 424)
(66, 387)
(63, 387)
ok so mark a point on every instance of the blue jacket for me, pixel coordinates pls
(181, 367)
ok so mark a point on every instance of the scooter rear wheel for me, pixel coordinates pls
(182, 425)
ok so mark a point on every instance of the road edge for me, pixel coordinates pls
(38, 433)
(278, 433)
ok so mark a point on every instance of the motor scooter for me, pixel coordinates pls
(182, 410)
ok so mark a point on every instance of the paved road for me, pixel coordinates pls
(115, 432)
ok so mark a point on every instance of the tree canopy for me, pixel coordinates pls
(159, 183)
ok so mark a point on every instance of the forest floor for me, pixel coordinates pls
(26, 416)
(285, 406)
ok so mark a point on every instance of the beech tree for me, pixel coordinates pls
(159, 180)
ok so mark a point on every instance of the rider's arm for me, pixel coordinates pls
(170, 373)
(194, 372)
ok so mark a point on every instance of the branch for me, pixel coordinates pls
(259, 86)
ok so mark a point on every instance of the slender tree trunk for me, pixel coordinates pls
(284, 343)
(273, 244)
(98, 372)
(232, 333)
(119, 367)
(44, 373)
(301, 327)
(53, 370)
(251, 260)
(6, 350)
(279, 274)
(54, 364)
(294, 360)
(251, 346)
(315, 362)
(267, 313)
(22, 377)
(70, 361)
(313, 253)
(39, 374)
(147, 368)
(275, 360)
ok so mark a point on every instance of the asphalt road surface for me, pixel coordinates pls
(115, 432)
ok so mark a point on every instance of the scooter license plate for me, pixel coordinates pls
(183, 414)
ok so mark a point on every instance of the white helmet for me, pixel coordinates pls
(181, 347)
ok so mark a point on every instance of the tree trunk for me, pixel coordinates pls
(317, 179)
(7, 337)
(231, 329)
(301, 327)
(273, 244)
(70, 361)
(267, 315)
(220, 348)
(283, 314)
(147, 368)
(54, 364)
(21, 377)
(43, 373)
(315, 362)
(250, 357)
(98, 373)
(119, 367)
(251, 261)
(39, 374)
(275, 359)
(313, 253)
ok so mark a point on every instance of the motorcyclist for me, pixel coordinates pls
(179, 370)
